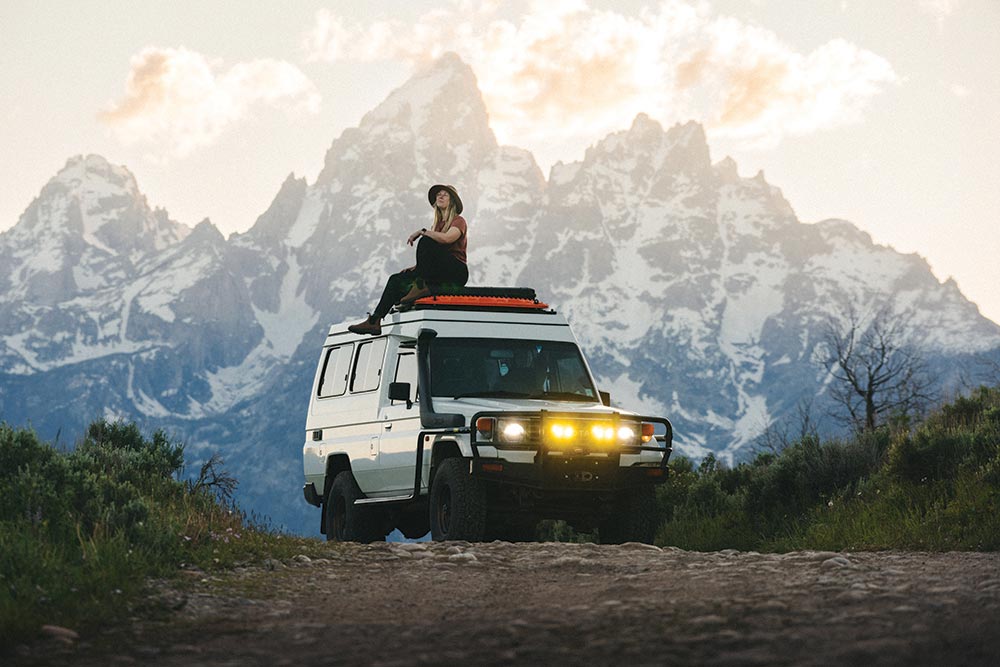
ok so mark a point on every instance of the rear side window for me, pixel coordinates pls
(368, 365)
(336, 366)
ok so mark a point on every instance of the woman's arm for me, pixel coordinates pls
(444, 238)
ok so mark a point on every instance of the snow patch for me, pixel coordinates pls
(285, 328)
(307, 220)
(627, 394)
(234, 384)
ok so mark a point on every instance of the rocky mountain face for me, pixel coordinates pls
(695, 292)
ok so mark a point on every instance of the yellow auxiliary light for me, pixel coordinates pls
(602, 432)
(562, 430)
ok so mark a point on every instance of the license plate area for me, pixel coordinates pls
(580, 472)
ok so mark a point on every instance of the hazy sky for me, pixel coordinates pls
(883, 112)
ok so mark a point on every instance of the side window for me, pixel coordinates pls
(406, 371)
(368, 365)
(333, 382)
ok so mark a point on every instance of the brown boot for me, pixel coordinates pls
(370, 326)
(414, 294)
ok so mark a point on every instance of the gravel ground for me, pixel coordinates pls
(498, 603)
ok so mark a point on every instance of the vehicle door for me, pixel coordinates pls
(400, 424)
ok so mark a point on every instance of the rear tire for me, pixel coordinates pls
(458, 503)
(345, 521)
(633, 519)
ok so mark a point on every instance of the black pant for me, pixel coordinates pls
(435, 267)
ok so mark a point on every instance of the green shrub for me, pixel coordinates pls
(932, 486)
(808, 473)
(963, 435)
(81, 530)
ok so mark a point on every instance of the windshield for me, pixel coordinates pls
(505, 368)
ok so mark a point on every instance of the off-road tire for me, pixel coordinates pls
(633, 518)
(457, 504)
(345, 521)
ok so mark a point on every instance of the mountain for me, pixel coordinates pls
(695, 292)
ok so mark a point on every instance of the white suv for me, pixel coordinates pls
(473, 416)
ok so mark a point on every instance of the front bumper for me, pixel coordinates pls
(569, 473)
(567, 466)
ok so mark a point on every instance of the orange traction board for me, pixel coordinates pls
(483, 301)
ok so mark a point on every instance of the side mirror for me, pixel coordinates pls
(605, 398)
(400, 391)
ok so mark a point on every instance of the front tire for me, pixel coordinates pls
(457, 504)
(345, 521)
(633, 519)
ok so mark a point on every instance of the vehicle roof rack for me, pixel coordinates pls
(480, 298)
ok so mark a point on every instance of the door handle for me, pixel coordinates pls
(387, 426)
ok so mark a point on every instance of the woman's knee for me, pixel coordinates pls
(401, 278)
(429, 251)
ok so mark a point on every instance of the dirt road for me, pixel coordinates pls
(567, 604)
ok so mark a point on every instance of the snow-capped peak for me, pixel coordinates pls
(443, 79)
(99, 203)
(94, 174)
(434, 126)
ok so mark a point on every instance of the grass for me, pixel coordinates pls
(935, 486)
(82, 530)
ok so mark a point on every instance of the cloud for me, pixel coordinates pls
(177, 100)
(565, 70)
(940, 10)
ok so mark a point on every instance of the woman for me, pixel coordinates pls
(441, 259)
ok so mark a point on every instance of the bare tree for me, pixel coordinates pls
(779, 435)
(875, 373)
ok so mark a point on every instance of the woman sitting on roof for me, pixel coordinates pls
(441, 259)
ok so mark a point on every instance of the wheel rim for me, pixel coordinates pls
(444, 510)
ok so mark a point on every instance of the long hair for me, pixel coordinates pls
(442, 221)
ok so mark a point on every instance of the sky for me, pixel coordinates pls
(883, 112)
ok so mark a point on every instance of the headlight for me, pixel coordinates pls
(512, 432)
